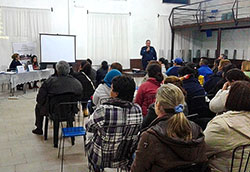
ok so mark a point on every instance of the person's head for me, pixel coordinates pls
(185, 70)
(203, 61)
(223, 62)
(85, 67)
(154, 71)
(178, 61)
(123, 87)
(164, 61)
(110, 75)
(117, 66)
(222, 56)
(33, 59)
(238, 97)
(170, 102)
(15, 56)
(90, 61)
(226, 68)
(148, 42)
(216, 63)
(62, 68)
(245, 66)
(176, 81)
(104, 65)
(236, 75)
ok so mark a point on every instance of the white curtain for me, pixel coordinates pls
(21, 25)
(108, 38)
(164, 37)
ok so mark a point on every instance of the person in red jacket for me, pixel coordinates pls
(146, 92)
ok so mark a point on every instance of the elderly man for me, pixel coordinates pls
(55, 85)
(148, 53)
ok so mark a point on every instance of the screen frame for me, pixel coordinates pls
(187, 3)
(50, 34)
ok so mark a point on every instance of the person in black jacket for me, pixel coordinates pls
(148, 53)
(93, 72)
(100, 74)
(15, 62)
(87, 84)
(55, 85)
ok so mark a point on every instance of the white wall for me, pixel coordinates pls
(144, 20)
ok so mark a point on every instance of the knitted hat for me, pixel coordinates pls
(110, 75)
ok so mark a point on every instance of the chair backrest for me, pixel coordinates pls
(63, 106)
(119, 143)
(241, 158)
(194, 167)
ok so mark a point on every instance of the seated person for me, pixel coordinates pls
(173, 71)
(171, 140)
(101, 72)
(117, 66)
(193, 89)
(87, 84)
(102, 92)
(35, 66)
(231, 129)
(151, 110)
(118, 110)
(15, 62)
(217, 104)
(93, 72)
(245, 67)
(55, 85)
(164, 65)
(204, 70)
(146, 93)
(215, 67)
(216, 77)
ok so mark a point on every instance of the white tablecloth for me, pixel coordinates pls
(4, 79)
(21, 78)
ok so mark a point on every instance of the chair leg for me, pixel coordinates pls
(46, 128)
(84, 146)
(62, 156)
(60, 146)
(56, 130)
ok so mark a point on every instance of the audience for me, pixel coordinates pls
(245, 67)
(215, 67)
(227, 131)
(93, 72)
(116, 111)
(87, 84)
(164, 65)
(151, 115)
(101, 72)
(15, 62)
(204, 70)
(117, 66)
(216, 77)
(173, 71)
(55, 85)
(171, 140)
(217, 104)
(102, 92)
(146, 92)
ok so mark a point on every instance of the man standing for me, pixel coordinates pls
(148, 53)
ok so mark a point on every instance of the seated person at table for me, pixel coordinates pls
(57, 85)
(15, 62)
(231, 129)
(171, 140)
(146, 93)
(174, 69)
(119, 110)
(204, 70)
(102, 92)
(35, 66)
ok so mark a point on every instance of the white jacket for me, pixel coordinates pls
(102, 92)
(217, 104)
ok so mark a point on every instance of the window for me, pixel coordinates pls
(176, 1)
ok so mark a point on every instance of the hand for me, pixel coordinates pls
(148, 49)
(226, 85)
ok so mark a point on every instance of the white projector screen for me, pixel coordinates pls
(57, 47)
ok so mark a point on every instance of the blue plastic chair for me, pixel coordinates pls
(71, 132)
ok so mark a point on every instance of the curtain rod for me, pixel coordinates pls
(88, 12)
(49, 9)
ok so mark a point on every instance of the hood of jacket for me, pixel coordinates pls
(118, 102)
(186, 150)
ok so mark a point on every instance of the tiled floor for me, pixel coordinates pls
(22, 151)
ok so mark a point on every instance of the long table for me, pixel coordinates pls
(15, 79)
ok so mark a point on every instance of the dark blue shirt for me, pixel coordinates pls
(14, 64)
(173, 71)
(205, 71)
(147, 56)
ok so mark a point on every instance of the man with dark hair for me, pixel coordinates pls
(148, 53)
(173, 71)
(93, 72)
(119, 110)
(55, 85)
(204, 70)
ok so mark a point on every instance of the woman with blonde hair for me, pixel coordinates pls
(245, 67)
(171, 139)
